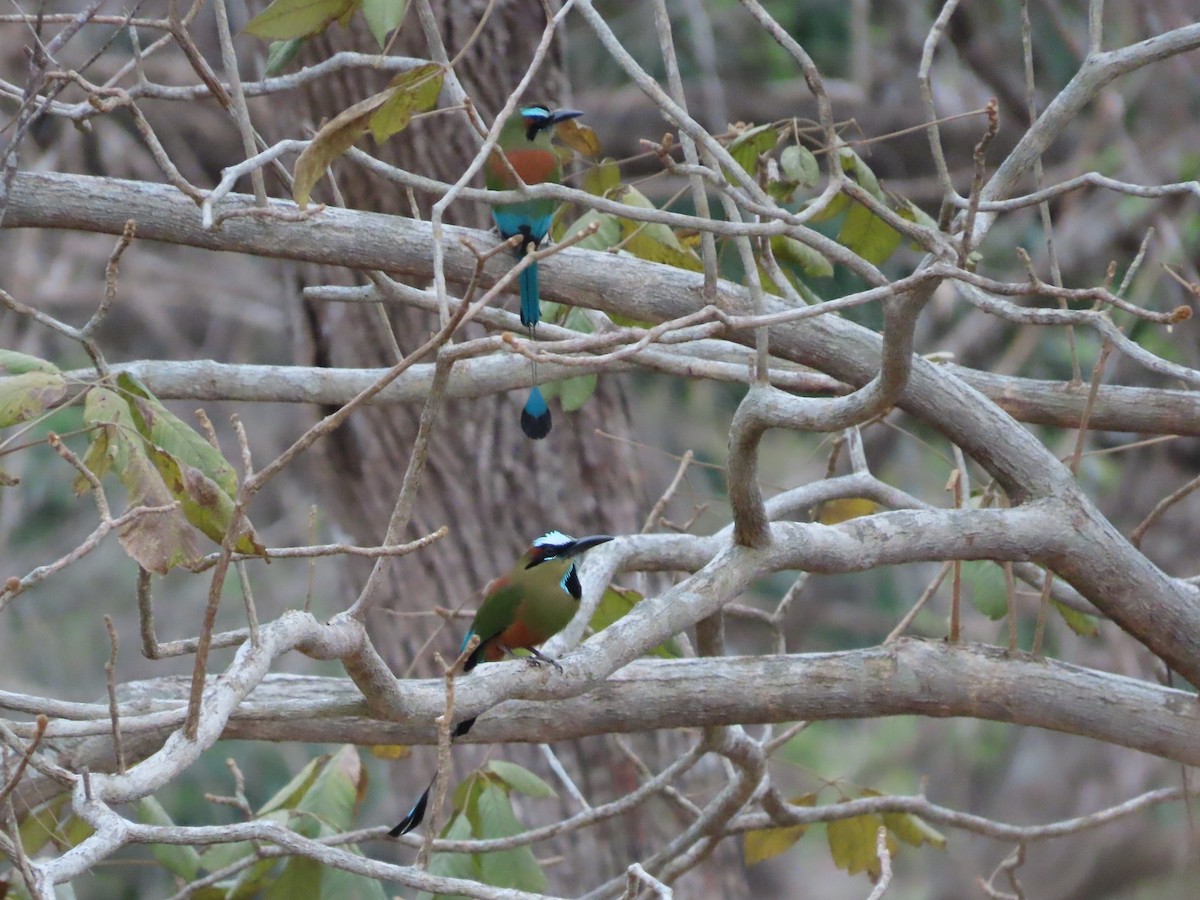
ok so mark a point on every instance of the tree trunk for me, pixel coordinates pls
(492, 486)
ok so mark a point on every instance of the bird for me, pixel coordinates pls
(522, 608)
(525, 143)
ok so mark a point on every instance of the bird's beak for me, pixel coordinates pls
(562, 115)
(584, 544)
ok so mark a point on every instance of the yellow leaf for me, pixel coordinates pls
(579, 137)
(335, 138)
(339, 134)
(412, 92)
(391, 751)
(205, 505)
(914, 830)
(852, 844)
(764, 843)
(651, 240)
(29, 394)
(286, 19)
(602, 177)
(831, 512)
(615, 604)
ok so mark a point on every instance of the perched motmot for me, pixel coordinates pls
(528, 605)
(525, 143)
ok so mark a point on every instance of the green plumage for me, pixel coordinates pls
(523, 608)
(531, 603)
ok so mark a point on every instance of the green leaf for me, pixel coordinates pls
(338, 884)
(281, 53)
(250, 881)
(205, 504)
(14, 363)
(28, 395)
(748, 145)
(798, 164)
(520, 779)
(914, 830)
(516, 868)
(1080, 623)
(836, 207)
(382, 17)
(573, 393)
(608, 235)
(76, 831)
(781, 190)
(159, 542)
(219, 856)
(868, 235)
(335, 792)
(164, 429)
(853, 165)
(466, 795)
(651, 240)
(98, 457)
(41, 825)
(909, 211)
(852, 844)
(291, 793)
(286, 19)
(193, 471)
(299, 880)
(985, 588)
(412, 92)
(178, 859)
(454, 865)
(602, 177)
(812, 262)
(615, 604)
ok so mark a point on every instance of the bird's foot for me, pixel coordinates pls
(537, 658)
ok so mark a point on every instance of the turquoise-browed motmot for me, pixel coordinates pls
(529, 604)
(525, 143)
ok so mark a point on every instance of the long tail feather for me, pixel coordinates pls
(531, 311)
(535, 416)
(415, 815)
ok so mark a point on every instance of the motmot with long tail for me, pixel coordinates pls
(526, 606)
(525, 142)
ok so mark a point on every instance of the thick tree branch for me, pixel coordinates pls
(1162, 613)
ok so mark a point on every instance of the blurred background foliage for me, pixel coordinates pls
(1146, 129)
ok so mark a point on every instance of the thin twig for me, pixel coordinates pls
(110, 677)
(885, 864)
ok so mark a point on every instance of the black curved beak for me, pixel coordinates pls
(584, 544)
(561, 115)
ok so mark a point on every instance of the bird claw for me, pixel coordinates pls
(537, 660)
